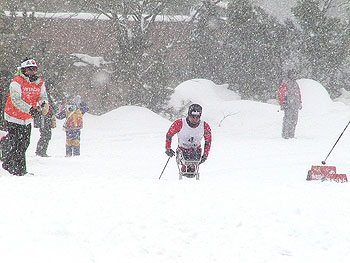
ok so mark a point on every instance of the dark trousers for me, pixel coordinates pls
(193, 154)
(72, 142)
(14, 154)
(4, 146)
(43, 143)
(290, 121)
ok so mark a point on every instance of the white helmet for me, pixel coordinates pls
(28, 63)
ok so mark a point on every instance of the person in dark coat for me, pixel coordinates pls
(289, 98)
(45, 122)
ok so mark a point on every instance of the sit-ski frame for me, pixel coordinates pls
(180, 160)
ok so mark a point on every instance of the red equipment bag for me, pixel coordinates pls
(325, 173)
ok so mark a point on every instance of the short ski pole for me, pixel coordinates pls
(164, 167)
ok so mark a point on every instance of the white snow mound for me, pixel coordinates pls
(314, 96)
(201, 91)
(124, 119)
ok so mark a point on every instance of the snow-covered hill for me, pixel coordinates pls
(252, 203)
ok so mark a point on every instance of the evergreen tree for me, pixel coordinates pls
(206, 53)
(255, 49)
(325, 43)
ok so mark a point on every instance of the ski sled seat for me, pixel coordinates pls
(325, 173)
(191, 166)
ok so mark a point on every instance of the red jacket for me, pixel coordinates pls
(177, 126)
(30, 93)
(281, 93)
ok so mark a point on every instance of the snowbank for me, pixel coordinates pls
(202, 91)
(215, 99)
(224, 108)
(87, 60)
(108, 204)
(124, 119)
(314, 96)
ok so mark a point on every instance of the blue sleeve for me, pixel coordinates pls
(84, 107)
(61, 115)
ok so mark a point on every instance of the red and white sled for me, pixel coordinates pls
(325, 173)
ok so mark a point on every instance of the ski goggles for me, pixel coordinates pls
(195, 114)
(34, 69)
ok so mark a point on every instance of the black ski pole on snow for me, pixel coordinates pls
(164, 167)
(324, 161)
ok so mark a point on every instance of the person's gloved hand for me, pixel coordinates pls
(34, 112)
(203, 159)
(33, 78)
(44, 108)
(170, 152)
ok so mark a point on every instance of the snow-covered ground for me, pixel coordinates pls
(252, 203)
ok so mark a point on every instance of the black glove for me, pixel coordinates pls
(34, 112)
(170, 152)
(203, 159)
(33, 78)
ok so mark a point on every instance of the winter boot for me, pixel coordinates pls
(69, 150)
(76, 150)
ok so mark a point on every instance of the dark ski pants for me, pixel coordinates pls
(192, 154)
(290, 121)
(72, 142)
(14, 156)
(4, 146)
(43, 143)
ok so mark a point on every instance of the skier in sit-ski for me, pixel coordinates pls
(190, 132)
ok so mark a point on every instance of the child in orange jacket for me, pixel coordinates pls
(74, 123)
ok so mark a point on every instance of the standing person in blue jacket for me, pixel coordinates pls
(73, 112)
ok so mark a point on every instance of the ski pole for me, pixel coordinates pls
(324, 161)
(164, 167)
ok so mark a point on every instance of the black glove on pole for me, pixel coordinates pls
(34, 112)
(170, 152)
(203, 159)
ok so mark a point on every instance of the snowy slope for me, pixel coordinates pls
(252, 203)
